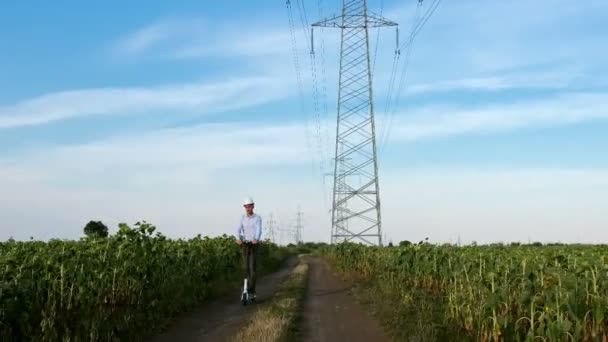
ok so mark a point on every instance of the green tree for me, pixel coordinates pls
(96, 229)
(404, 243)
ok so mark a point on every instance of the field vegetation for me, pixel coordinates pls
(110, 288)
(482, 293)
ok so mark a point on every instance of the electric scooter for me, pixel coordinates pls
(245, 297)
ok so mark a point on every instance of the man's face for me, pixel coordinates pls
(249, 209)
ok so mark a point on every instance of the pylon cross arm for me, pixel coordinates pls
(355, 21)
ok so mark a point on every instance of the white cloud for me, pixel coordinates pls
(469, 38)
(448, 120)
(260, 43)
(180, 177)
(158, 34)
(196, 37)
(185, 180)
(553, 79)
(240, 144)
(171, 157)
(205, 97)
(235, 145)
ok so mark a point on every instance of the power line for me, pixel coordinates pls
(318, 139)
(321, 124)
(317, 113)
(422, 22)
(377, 41)
(303, 17)
(390, 112)
(296, 62)
(418, 25)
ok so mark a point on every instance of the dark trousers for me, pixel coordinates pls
(249, 265)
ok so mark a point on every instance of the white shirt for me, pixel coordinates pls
(250, 228)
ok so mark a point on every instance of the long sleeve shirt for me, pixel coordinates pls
(250, 228)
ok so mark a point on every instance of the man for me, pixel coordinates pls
(250, 230)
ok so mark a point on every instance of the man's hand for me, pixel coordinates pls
(255, 242)
(239, 242)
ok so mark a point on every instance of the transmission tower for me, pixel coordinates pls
(271, 228)
(299, 227)
(356, 194)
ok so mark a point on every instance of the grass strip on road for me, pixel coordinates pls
(276, 320)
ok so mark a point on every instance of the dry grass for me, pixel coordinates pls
(275, 321)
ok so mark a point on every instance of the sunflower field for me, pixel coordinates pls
(114, 288)
(496, 292)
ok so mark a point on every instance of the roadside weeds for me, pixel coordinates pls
(276, 320)
(406, 314)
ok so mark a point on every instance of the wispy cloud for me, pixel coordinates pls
(177, 178)
(553, 79)
(467, 38)
(159, 34)
(260, 43)
(203, 148)
(188, 38)
(242, 144)
(449, 120)
(203, 97)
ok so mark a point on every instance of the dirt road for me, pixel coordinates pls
(330, 313)
(219, 320)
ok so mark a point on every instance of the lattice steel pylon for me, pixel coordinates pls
(356, 194)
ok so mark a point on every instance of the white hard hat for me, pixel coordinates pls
(248, 200)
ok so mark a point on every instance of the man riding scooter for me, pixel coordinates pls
(248, 235)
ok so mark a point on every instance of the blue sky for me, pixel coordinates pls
(173, 112)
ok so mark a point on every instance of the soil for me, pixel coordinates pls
(331, 313)
(220, 319)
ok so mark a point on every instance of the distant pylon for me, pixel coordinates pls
(356, 194)
(270, 235)
(299, 227)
